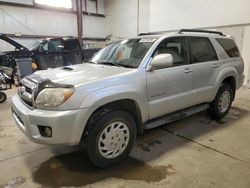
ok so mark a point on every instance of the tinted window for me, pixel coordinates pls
(71, 45)
(52, 46)
(176, 47)
(202, 50)
(229, 46)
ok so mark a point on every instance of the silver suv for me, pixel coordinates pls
(129, 86)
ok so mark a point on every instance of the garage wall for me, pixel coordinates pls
(127, 18)
(20, 21)
(31, 21)
(246, 54)
(122, 17)
(172, 14)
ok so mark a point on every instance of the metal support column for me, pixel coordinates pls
(79, 19)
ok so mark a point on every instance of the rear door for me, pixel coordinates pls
(206, 67)
(171, 89)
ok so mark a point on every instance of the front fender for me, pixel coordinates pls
(115, 93)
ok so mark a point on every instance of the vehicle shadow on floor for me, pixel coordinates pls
(75, 169)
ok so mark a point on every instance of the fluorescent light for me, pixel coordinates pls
(56, 3)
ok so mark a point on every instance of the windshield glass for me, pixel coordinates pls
(126, 53)
(34, 45)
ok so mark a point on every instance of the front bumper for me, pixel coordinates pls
(67, 126)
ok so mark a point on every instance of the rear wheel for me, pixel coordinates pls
(222, 102)
(110, 138)
(3, 97)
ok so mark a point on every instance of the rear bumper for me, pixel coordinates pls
(67, 126)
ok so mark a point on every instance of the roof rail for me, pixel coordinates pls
(152, 33)
(200, 31)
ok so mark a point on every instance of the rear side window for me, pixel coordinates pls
(229, 46)
(202, 50)
(71, 45)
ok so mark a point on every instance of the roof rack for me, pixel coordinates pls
(152, 33)
(200, 31)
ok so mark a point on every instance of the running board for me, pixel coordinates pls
(175, 116)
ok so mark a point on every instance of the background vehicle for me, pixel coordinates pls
(130, 86)
(46, 53)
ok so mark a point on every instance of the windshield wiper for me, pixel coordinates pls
(126, 65)
(107, 63)
(92, 62)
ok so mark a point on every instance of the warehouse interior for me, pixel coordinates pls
(196, 151)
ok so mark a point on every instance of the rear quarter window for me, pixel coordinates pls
(229, 46)
(202, 50)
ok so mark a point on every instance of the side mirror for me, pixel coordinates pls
(161, 61)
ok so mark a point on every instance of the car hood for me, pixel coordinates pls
(12, 42)
(82, 73)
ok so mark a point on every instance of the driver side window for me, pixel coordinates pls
(52, 46)
(175, 46)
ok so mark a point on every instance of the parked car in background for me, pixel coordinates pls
(45, 53)
(7, 58)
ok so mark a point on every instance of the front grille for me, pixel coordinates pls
(28, 102)
(25, 91)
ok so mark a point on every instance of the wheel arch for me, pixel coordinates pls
(229, 76)
(128, 105)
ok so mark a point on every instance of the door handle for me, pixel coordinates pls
(216, 65)
(188, 70)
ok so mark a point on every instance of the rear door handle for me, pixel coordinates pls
(216, 65)
(188, 70)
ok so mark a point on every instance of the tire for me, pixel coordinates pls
(222, 102)
(3, 97)
(100, 139)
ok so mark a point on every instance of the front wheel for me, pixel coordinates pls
(222, 102)
(111, 138)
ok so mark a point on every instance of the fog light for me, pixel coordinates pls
(45, 131)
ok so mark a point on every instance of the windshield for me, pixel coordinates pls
(34, 45)
(126, 53)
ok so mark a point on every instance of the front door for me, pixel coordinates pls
(171, 89)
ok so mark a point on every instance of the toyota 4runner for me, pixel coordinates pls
(129, 86)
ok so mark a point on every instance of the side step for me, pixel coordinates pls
(175, 116)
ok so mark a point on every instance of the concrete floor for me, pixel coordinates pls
(193, 152)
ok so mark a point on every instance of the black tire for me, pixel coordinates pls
(215, 109)
(98, 125)
(3, 97)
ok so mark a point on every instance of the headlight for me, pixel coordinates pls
(53, 97)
